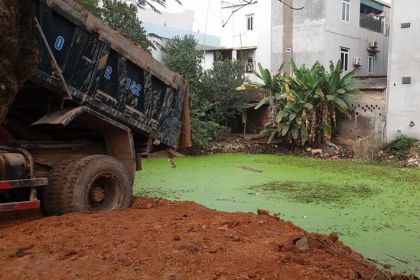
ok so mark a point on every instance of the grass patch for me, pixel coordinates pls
(317, 192)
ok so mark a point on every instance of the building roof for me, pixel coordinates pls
(373, 83)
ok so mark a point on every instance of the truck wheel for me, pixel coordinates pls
(90, 183)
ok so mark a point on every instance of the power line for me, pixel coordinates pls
(251, 2)
(291, 7)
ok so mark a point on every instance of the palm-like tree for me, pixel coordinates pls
(305, 104)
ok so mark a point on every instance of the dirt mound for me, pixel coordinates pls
(19, 53)
(158, 239)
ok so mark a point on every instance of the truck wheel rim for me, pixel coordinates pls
(104, 192)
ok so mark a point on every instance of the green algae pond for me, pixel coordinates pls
(374, 208)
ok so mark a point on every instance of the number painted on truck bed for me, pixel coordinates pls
(108, 72)
(59, 43)
(133, 87)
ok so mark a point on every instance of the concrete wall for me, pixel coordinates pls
(208, 59)
(235, 35)
(350, 35)
(366, 129)
(276, 43)
(404, 99)
(309, 32)
(169, 25)
(315, 33)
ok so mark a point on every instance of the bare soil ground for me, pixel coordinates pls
(158, 239)
(256, 144)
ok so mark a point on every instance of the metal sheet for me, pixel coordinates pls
(373, 4)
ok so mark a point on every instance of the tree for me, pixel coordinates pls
(213, 92)
(306, 103)
(92, 6)
(121, 16)
(219, 86)
(182, 56)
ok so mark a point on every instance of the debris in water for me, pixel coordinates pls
(251, 169)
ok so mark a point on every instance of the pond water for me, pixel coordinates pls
(375, 209)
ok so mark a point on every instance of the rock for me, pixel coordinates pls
(177, 238)
(334, 237)
(225, 228)
(263, 212)
(252, 276)
(302, 243)
(231, 224)
(235, 238)
(317, 152)
(192, 248)
(21, 253)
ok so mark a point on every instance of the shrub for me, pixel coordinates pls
(402, 144)
(213, 92)
(205, 131)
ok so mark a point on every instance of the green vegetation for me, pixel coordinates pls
(121, 16)
(305, 104)
(374, 208)
(205, 131)
(401, 145)
(316, 192)
(213, 92)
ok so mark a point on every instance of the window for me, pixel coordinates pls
(344, 59)
(250, 66)
(345, 10)
(250, 22)
(371, 64)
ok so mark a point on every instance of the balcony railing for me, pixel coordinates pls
(371, 23)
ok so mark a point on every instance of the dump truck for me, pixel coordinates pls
(80, 106)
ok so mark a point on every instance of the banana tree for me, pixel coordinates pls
(305, 104)
(274, 88)
(337, 90)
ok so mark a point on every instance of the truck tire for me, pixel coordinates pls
(88, 184)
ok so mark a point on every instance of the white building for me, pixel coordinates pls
(403, 116)
(168, 25)
(270, 33)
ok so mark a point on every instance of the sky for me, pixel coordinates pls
(206, 11)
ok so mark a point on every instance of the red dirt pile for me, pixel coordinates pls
(19, 52)
(158, 239)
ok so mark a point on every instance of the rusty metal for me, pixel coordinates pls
(26, 154)
(25, 183)
(97, 194)
(118, 138)
(112, 75)
(19, 206)
(122, 102)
